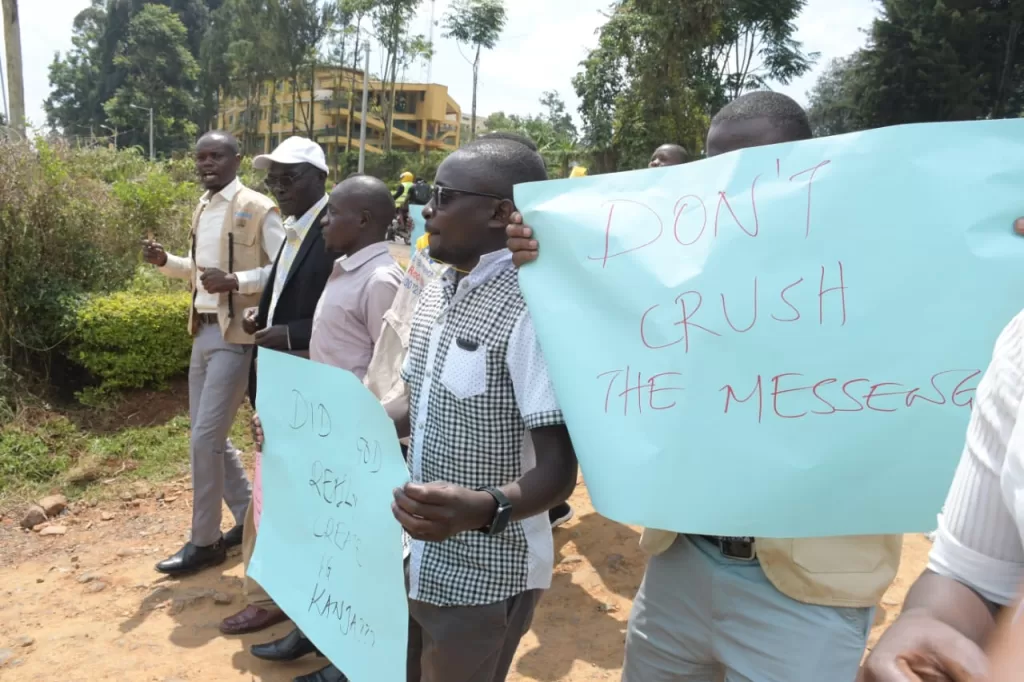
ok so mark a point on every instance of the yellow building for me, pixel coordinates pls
(426, 117)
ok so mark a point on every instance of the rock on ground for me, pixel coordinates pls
(53, 504)
(34, 515)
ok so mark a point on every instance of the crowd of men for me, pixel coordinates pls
(449, 348)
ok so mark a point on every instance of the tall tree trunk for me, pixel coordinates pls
(295, 94)
(273, 108)
(310, 122)
(352, 90)
(476, 76)
(1012, 40)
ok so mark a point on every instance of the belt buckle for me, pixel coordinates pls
(737, 549)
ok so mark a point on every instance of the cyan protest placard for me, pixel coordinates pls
(783, 341)
(329, 550)
(419, 226)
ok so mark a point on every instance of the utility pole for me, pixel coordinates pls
(15, 80)
(366, 107)
(152, 154)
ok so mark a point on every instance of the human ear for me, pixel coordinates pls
(503, 213)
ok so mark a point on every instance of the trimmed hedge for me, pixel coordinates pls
(131, 340)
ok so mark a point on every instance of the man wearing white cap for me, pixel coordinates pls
(235, 234)
(296, 175)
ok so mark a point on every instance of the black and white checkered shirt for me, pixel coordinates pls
(478, 382)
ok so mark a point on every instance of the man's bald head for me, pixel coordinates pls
(220, 137)
(370, 194)
(359, 211)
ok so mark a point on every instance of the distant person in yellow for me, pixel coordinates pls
(403, 194)
(578, 172)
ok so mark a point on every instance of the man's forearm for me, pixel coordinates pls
(953, 603)
(549, 483)
(177, 267)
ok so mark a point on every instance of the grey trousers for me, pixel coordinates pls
(467, 643)
(217, 378)
(702, 617)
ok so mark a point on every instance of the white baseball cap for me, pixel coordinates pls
(291, 151)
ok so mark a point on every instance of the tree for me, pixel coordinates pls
(160, 73)
(756, 46)
(253, 57)
(662, 68)
(79, 83)
(941, 61)
(833, 109)
(477, 23)
(391, 20)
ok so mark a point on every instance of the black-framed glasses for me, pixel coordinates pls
(442, 196)
(284, 181)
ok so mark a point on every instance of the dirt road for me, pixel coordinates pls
(87, 606)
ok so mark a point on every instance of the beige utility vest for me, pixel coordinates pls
(241, 249)
(851, 571)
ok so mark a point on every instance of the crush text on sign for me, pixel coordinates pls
(691, 319)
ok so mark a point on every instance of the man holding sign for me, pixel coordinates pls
(349, 317)
(489, 454)
(765, 609)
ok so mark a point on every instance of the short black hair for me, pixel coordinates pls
(224, 137)
(678, 150)
(503, 163)
(781, 110)
(512, 137)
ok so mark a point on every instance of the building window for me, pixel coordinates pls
(280, 86)
(231, 119)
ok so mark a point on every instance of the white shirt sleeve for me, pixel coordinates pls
(535, 394)
(978, 542)
(255, 280)
(178, 267)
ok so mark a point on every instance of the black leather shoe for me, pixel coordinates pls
(233, 538)
(328, 674)
(290, 647)
(192, 558)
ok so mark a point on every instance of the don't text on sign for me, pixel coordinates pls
(783, 341)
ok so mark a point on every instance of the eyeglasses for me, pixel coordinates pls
(442, 196)
(284, 181)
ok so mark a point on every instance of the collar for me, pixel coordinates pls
(227, 194)
(361, 257)
(490, 266)
(302, 224)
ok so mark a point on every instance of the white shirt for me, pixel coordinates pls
(208, 250)
(979, 541)
(295, 229)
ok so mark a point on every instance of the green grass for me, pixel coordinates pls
(53, 453)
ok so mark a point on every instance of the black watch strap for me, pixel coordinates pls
(502, 514)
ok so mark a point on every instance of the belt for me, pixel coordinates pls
(207, 318)
(740, 549)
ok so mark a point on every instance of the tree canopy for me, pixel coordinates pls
(927, 60)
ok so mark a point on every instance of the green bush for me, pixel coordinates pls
(132, 340)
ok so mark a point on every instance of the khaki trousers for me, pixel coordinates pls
(254, 593)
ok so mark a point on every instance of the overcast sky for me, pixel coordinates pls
(540, 49)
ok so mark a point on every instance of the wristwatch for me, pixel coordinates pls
(502, 514)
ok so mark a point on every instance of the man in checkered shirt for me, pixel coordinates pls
(489, 453)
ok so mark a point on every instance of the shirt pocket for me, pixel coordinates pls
(465, 369)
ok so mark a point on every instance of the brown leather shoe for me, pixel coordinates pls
(252, 619)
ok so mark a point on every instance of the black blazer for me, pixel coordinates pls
(295, 307)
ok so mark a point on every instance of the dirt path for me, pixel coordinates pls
(88, 606)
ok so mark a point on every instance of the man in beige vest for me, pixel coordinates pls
(236, 233)
(744, 609)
